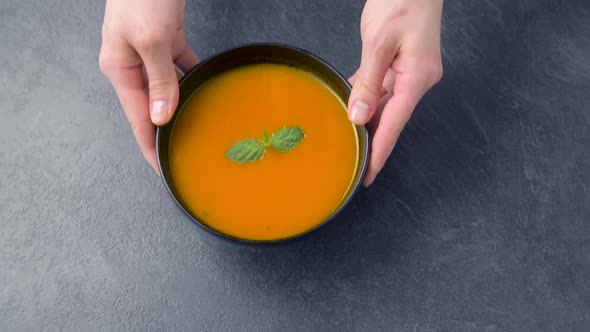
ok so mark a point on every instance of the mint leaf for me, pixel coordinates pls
(287, 138)
(246, 151)
(249, 150)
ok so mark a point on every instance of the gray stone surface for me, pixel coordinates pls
(480, 221)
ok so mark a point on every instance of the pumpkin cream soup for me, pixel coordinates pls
(282, 193)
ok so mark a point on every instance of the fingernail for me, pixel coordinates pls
(159, 111)
(360, 112)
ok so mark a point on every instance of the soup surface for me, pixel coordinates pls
(284, 193)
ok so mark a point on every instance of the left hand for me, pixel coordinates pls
(400, 62)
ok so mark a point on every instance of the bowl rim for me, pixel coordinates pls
(364, 158)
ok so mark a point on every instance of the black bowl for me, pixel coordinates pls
(247, 55)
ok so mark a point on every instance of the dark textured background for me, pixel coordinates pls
(480, 221)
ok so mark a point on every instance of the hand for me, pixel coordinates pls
(142, 40)
(400, 62)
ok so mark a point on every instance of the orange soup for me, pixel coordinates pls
(284, 193)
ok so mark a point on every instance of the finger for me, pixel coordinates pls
(129, 85)
(374, 122)
(162, 82)
(368, 83)
(387, 83)
(352, 78)
(184, 56)
(396, 114)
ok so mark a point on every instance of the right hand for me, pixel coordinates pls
(142, 41)
(400, 62)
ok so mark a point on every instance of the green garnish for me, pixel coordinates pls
(266, 139)
(246, 151)
(250, 150)
(287, 138)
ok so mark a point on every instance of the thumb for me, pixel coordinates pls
(162, 84)
(368, 84)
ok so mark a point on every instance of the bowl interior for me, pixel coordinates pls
(247, 55)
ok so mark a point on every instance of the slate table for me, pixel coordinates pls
(480, 220)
